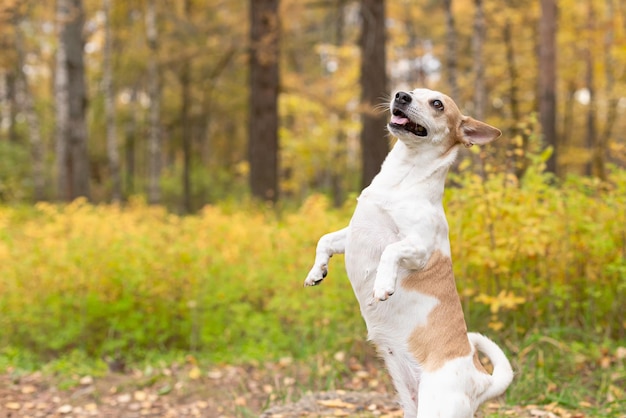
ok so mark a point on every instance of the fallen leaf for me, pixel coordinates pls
(124, 398)
(13, 405)
(86, 380)
(340, 356)
(91, 407)
(285, 361)
(140, 395)
(195, 373)
(605, 362)
(215, 374)
(28, 389)
(65, 409)
(335, 403)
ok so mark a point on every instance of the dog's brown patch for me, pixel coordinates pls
(479, 366)
(444, 337)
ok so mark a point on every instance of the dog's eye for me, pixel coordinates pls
(437, 104)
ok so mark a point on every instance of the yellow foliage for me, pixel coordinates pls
(504, 300)
(111, 277)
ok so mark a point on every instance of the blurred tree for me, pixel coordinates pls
(61, 97)
(200, 67)
(263, 118)
(451, 51)
(71, 101)
(519, 162)
(109, 105)
(9, 103)
(590, 131)
(154, 92)
(478, 39)
(547, 78)
(603, 141)
(37, 147)
(185, 85)
(374, 146)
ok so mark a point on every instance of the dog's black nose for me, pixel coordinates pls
(403, 98)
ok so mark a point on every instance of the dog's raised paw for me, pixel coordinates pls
(383, 294)
(316, 275)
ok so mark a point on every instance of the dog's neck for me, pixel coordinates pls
(421, 169)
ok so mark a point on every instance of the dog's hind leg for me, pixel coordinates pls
(329, 244)
(405, 375)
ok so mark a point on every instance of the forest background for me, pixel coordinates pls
(166, 168)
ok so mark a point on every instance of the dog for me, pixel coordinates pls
(398, 260)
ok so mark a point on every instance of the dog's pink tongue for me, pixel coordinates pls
(399, 120)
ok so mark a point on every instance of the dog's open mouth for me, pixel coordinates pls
(399, 120)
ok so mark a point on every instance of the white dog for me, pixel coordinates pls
(397, 244)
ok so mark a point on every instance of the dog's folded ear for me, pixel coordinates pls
(472, 131)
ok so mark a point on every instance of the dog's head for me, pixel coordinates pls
(426, 115)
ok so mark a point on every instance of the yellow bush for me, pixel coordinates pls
(228, 281)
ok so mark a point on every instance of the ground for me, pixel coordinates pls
(272, 390)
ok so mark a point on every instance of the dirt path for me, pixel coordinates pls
(280, 389)
(170, 391)
(167, 392)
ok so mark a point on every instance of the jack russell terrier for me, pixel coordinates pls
(397, 256)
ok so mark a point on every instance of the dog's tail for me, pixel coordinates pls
(502, 374)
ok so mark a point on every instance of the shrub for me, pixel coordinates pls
(114, 280)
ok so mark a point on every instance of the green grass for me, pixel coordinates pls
(541, 268)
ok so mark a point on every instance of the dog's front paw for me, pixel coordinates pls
(316, 275)
(383, 293)
(385, 283)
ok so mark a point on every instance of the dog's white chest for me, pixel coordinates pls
(371, 230)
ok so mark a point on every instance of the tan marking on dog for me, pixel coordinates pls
(444, 337)
(479, 366)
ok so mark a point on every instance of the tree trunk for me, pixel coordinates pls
(5, 117)
(186, 134)
(264, 79)
(71, 102)
(9, 103)
(77, 96)
(61, 104)
(32, 119)
(547, 79)
(512, 70)
(154, 91)
(373, 80)
(185, 82)
(109, 106)
(131, 135)
(590, 132)
(478, 39)
(338, 142)
(451, 50)
(520, 163)
(600, 154)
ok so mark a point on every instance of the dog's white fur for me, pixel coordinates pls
(397, 255)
